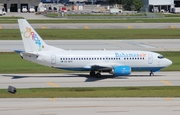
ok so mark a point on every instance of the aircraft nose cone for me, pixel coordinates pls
(169, 62)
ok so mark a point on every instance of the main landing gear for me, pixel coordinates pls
(151, 73)
(98, 74)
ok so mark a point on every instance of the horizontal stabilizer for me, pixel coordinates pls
(29, 54)
(18, 51)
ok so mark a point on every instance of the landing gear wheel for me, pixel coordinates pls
(151, 73)
(98, 75)
(92, 73)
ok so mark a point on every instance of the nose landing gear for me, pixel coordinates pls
(151, 73)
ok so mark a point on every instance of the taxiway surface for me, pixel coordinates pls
(90, 106)
(96, 26)
(148, 44)
(84, 80)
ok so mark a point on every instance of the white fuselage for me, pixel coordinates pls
(83, 60)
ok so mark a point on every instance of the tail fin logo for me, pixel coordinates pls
(30, 34)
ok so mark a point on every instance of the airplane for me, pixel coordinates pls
(115, 62)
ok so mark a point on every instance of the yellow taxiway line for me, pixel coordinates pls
(166, 82)
(52, 84)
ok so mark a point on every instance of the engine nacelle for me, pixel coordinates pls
(121, 71)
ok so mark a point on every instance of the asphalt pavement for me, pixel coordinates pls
(85, 80)
(148, 44)
(90, 106)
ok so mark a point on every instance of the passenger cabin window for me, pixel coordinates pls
(160, 56)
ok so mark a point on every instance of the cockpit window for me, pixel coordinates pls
(160, 56)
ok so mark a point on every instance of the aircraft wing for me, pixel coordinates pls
(101, 68)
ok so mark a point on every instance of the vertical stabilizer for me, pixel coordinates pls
(31, 40)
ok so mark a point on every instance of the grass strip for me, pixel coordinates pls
(95, 92)
(94, 34)
(12, 63)
(123, 20)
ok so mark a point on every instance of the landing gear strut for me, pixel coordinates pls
(151, 73)
(92, 73)
(98, 74)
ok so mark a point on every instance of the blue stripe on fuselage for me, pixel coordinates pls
(154, 69)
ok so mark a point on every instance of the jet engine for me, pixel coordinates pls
(121, 71)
